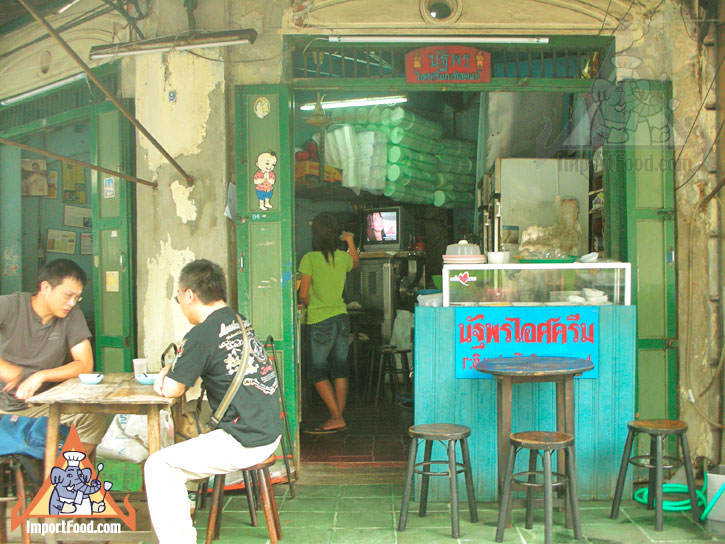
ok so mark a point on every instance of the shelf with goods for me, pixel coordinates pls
(596, 213)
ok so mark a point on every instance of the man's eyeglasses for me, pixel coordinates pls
(72, 298)
(180, 291)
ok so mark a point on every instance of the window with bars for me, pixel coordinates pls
(343, 61)
(66, 99)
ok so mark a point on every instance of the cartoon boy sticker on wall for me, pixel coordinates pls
(264, 178)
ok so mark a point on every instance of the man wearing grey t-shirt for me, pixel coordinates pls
(44, 339)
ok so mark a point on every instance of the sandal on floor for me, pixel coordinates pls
(319, 429)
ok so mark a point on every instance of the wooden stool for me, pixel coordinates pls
(546, 442)
(385, 356)
(439, 432)
(264, 481)
(658, 429)
(12, 489)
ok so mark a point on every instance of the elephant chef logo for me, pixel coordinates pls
(73, 489)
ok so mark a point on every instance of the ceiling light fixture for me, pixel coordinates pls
(357, 102)
(35, 92)
(440, 39)
(181, 42)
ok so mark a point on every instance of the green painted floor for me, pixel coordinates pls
(360, 503)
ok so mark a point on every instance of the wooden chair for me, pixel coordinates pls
(264, 483)
(12, 489)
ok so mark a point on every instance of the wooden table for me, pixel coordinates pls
(511, 370)
(118, 393)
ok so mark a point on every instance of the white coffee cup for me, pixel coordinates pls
(140, 366)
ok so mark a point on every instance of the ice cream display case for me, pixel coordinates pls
(537, 284)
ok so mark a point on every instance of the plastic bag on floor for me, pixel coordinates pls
(127, 437)
(400, 337)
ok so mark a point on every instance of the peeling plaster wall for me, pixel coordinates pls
(177, 223)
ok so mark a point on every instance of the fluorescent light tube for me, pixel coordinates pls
(35, 92)
(440, 39)
(68, 6)
(162, 49)
(184, 42)
(356, 102)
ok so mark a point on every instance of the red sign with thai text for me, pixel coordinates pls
(452, 64)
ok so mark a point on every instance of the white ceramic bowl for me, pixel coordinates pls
(146, 379)
(592, 293)
(90, 379)
(589, 257)
(498, 257)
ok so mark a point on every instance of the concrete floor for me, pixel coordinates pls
(360, 503)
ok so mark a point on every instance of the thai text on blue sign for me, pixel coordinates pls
(553, 331)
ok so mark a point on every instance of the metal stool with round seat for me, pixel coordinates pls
(439, 432)
(546, 443)
(656, 462)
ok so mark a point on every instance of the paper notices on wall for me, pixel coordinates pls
(75, 216)
(74, 183)
(61, 241)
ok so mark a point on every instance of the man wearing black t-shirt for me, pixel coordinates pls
(251, 428)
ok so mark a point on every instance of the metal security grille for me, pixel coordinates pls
(319, 60)
(66, 99)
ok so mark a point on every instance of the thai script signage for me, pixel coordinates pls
(447, 64)
(508, 331)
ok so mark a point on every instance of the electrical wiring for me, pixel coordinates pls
(697, 168)
(234, 61)
(619, 21)
(606, 13)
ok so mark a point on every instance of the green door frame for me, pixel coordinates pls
(121, 139)
(265, 238)
(648, 239)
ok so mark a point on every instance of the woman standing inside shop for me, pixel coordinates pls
(323, 278)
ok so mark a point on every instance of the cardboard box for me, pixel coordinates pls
(308, 173)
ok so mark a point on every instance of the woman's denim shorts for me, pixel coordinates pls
(329, 342)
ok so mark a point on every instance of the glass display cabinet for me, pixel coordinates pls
(537, 284)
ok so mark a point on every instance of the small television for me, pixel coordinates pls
(387, 229)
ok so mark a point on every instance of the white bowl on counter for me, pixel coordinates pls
(498, 257)
(593, 293)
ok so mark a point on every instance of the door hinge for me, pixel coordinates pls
(670, 343)
(666, 214)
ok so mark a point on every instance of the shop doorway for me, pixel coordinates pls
(569, 67)
(361, 159)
